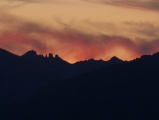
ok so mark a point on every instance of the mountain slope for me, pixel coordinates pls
(22, 76)
(120, 92)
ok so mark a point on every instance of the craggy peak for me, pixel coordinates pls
(89, 60)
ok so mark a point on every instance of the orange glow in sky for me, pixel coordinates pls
(80, 29)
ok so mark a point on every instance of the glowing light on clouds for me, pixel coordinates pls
(80, 29)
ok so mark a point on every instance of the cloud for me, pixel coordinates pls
(131, 29)
(11, 4)
(144, 30)
(22, 0)
(147, 4)
(138, 4)
(19, 35)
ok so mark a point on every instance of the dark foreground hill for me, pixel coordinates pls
(116, 91)
(23, 76)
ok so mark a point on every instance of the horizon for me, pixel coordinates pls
(79, 30)
(75, 61)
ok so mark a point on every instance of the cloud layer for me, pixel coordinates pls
(75, 36)
(69, 43)
(147, 4)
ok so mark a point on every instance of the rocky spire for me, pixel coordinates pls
(50, 56)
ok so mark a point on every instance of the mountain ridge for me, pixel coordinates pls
(33, 53)
(38, 87)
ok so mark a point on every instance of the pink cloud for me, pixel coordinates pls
(72, 45)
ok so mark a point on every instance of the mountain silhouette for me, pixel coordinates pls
(36, 87)
(30, 54)
(7, 56)
(115, 60)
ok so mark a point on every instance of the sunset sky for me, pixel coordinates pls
(80, 29)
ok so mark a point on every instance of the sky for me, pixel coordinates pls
(80, 29)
